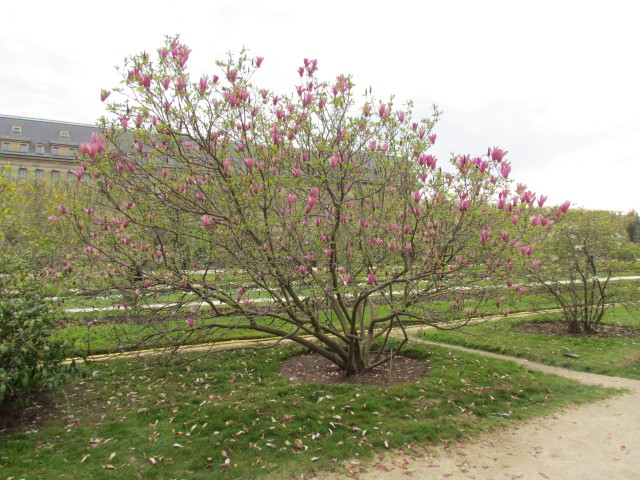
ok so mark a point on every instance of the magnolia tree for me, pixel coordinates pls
(318, 216)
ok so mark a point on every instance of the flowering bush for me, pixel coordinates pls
(313, 216)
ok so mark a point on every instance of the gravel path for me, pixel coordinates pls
(597, 441)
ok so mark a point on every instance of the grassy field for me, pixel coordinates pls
(232, 415)
(609, 356)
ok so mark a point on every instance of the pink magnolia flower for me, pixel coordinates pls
(497, 154)
(147, 283)
(431, 161)
(207, 221)
(79, 174)
(541, 200)
(401, 116)
(291, 198)
(371, 279)
(190, 321)
(259, 61)
(104, 94)
(528, 197)
(537, 262)
(563, 209)
(249, 162)
(505, 169)
(416, 195)
(312, 201)
(181, 84)
(204, 83)
(346, 278)
(52, 218)
(373, 145)
(145, 80)
(463, 204)
(307, 99)
(328, 251)
(165, 82)
(432, 138)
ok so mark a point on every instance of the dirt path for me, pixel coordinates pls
(597, 441)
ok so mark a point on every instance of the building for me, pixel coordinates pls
(35, 148)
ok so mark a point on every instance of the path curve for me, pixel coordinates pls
(597, 441)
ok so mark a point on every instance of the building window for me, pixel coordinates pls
(40, 149)
(24, 148)
(72, 151)
(5, 146)
(22, 173)
(16, 128)
(70, 176)
(64, 134)
(39, 173)
(55, 150)
(55, 174)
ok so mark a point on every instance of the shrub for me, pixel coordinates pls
(29, 357)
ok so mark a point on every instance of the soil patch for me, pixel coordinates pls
(559, 329)
(40, 410)
(313, 368)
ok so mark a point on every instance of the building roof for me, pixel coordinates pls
(46, 132)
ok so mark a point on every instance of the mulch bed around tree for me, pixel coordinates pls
(559, 329)
(313, 368)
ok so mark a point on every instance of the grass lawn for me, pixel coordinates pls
(107, 335)
(232, 415)
(609, 356)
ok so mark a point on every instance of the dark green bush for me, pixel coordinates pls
(29, 357)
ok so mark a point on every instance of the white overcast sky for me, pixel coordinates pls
(556, 83)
